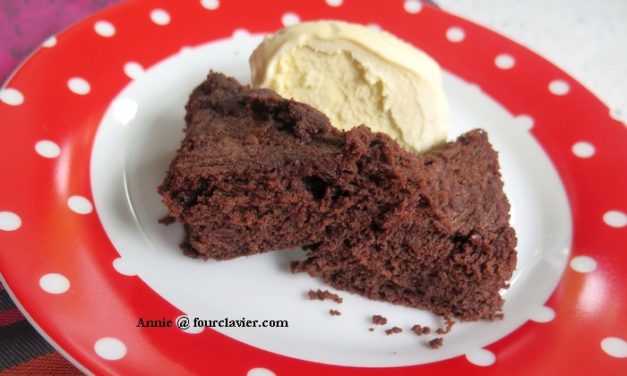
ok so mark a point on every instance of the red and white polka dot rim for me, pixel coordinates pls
(58, 261)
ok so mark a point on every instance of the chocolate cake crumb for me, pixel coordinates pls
(393, 330)
(436, 342)
(324, 295)
(379, 320)
(448, 324)
(334, 312)
(420, 330)
(371, 329)
(167, 220)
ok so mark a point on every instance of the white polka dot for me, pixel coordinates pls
(542, 314)
(583, 149)
(12, 97)
(583, 264)
(79, 85)
(210, 4)
(260, 372)
(122, 266)
(412, 6)
(614, 346)
(559, 87)
(524, 121)
(455, 34)
(124, 110)
(133, 70)
(47, 149)
(374, 26)
(290, 18)
(504, 61)
(110, 348)
(190, 328)
(104, 29)
(481, 357)
(240, 34)
(80, 205)
(50, 42)
(9, 221)
(160, 17)
(54, 283)
(334, 3)
(615, 218)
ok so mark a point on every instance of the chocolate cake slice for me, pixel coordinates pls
(450, 250)
(257, 172)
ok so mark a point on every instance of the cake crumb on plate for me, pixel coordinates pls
(324, 295)
(379, 320)
(448, 324)
(393, 330)
(436, 342)
(420, 330)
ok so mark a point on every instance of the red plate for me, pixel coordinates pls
(56, 258)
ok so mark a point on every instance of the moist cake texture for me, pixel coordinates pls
(253, 172)
(257, 172)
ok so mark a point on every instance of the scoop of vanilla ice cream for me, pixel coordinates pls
(356, 75)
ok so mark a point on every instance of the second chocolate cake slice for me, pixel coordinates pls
(450, 249)
(257, 172)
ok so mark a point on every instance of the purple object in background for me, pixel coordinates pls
(25, 24)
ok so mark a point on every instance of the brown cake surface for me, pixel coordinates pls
(257, 172)
(449, 247)
(248, 175)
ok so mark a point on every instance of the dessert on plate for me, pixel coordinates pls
(399, 216)
(257, 172)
